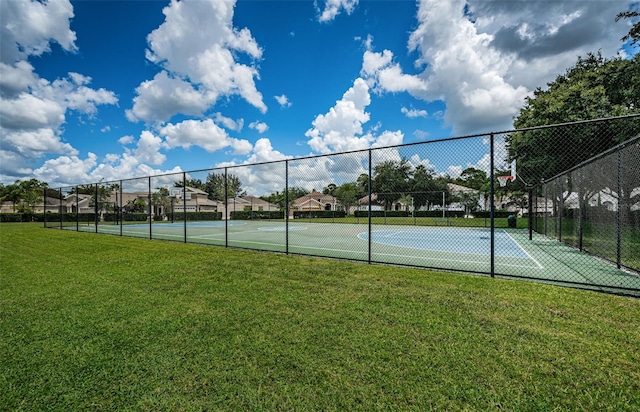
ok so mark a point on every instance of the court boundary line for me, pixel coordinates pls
(521, 248)
(397, 231)
(395, 255)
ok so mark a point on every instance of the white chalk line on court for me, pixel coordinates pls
(521, 248)
(406, 257)
(456, 260)
(427, 258)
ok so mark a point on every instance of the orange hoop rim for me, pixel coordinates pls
(504, 179)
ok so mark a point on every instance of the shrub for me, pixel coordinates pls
(496, 214)
(318, 214)
(256, 215)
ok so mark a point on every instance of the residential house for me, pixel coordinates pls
(191, 199)
(245, 204)
(315, 201)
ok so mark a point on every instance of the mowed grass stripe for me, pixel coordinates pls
(110, 323)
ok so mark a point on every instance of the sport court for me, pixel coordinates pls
(450, 248)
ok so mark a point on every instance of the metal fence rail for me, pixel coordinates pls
(434, 204)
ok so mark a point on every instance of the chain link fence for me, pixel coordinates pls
(568, 213)
(595, 206)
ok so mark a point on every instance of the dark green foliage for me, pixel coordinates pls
(215, 186)
(390, 179)
(383, 213)
(135, 217)
(198, 216)
(496, 214)
(256, 215)
(594, 88)
(11, 217)
(318, 214)
(634, 32)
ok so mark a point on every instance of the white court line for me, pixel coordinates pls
(418, 257)
(455, 260)
(408, 257)
(526, 253)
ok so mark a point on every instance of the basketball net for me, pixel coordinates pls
(503, 180)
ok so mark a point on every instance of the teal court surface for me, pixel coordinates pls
(450, 248)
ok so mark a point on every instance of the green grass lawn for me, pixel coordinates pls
(108, 323)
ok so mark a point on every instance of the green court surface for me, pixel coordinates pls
(450, 248)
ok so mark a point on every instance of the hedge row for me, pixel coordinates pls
(318, 214)
(51, 217)
(197, 216)
(496, 214)
(256, 215)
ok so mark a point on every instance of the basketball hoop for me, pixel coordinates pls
(503, 180)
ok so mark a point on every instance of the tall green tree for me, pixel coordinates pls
(348, 195)
(279, 198)
(330, 189)
(427, 188)
(137, 205)
(473, 178)
(27, 193)
(634, 32)
(194, 183)
(594, 88)
(100, 196)
(161, 200)
(13, 194)
(215, 186)
(362, 184)
(391, 180)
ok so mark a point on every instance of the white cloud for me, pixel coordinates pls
(340, 129)
(383, 75)
(29, 27)
(333, 7)
(229, 123)
(420, 134)
(454, 171)
(413, 113)
(463, 68)
(388, 138)
(148, 149)
(33, 110)
(159, 99)
(263, 178)
(30, 112)
(124, 140)
(111, 158)
(483, 58)
(261, 127)
(16, 79)
(33, 144)
(196, 45)
(67, 170)
(283, 101)
(32, 115)
(13, 166)
(77, 96)
(263, 152)
(72, 170)
(205, 134)
(372, 62)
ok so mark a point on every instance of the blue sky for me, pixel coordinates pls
(94, 90)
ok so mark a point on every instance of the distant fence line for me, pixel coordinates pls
(595, 206)
(574, 196)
